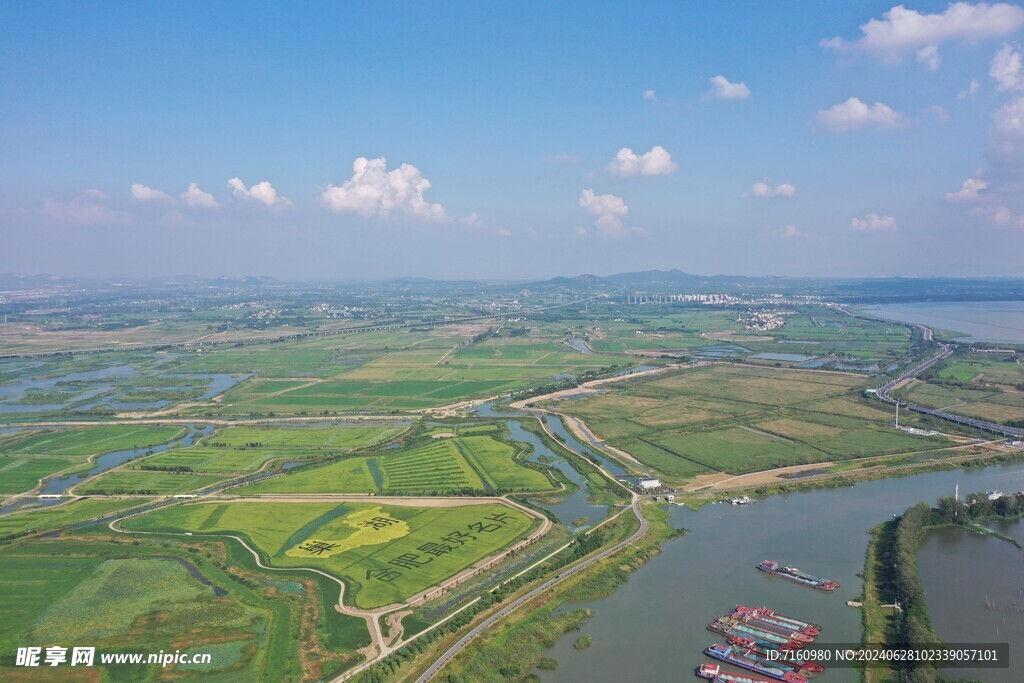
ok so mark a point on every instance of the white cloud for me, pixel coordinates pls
(763, 190)
(88, 208)
(902, 30)
(1009, 118)
(1006, 139)
(374, 191)
(972, 89)
(610, 211)
(938, 112)
(1000, 216)
(261, 192)
(873, 222)
(650, 95)
(789, 232)
(722, 89)
(968, 191)
(656, 162)
(1006, 69)
(141, 193)
(195, 197)
(856, 115)
(502, 232)
(930, 57)
(580, 232)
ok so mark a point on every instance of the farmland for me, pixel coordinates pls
(244, 449)
(452, 464)
(79, 591)
(816, 334)
(138, 481)
(989, 386)
(384, 553)
(393, 371)
(43, 519)
(85, 441)
(27, 457)
(735, 419)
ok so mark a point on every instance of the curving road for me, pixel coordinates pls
(945, 350)
(461, 644)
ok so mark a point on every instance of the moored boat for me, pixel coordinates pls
(740, 611)
(795, 575)
(758, 649)
(747, 660)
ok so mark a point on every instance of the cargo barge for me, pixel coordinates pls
(751, 662)
(763, 613)
(728, 626)
(716, 674)
(796, 576)
(808, 666)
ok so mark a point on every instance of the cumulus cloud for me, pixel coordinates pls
(373, 190)
(502, 232)
(722, 89)
(938, 112)
(609, 210)
(970, 91)
(195, 197)
(789, 232)
(1006, 139)
(88, 208)
(261, 192)
(141, 193)
(902, 30)
(930, 57)
(968, 191)
(874, 223)
(656, 162)
(1006, 69)
(650, 95)
(1000, 216)
(856, 115)
(763, 190)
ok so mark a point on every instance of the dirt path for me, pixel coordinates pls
(382, 645)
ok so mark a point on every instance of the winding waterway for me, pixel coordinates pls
(653, 627)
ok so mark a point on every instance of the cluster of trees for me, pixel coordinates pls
(914, 625)
(166, 468)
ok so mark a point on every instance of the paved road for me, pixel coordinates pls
(945, 350)
(455, 649)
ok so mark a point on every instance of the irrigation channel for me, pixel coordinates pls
(102, 463)
(653, 627)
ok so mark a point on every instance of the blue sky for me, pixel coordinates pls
(514, 114)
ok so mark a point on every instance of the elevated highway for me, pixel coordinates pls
(945, 350)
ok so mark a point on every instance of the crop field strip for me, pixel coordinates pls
(744, 423)
(368, 567)
(59, 592)
(72, 512)
(476, 462)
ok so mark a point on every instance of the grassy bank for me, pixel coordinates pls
(509, 650)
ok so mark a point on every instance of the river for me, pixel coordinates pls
(653, 627)
(984, 321)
